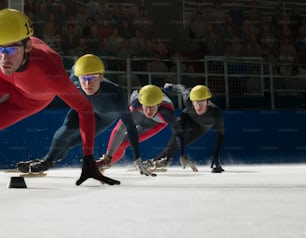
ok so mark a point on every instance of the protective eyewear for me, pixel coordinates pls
(89, 77)
(200, 103)
(10, 50)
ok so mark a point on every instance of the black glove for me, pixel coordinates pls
(90, 170)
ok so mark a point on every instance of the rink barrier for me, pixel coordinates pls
(251, 136)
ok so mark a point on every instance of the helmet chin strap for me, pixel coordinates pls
(25, 60)
(24, 63)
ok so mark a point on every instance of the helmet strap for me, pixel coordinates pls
(25, 60)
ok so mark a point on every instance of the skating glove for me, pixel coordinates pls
(90, 170)
(186, 162)
(142, 169)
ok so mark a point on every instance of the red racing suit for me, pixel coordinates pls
(32, 89)
(146, 127)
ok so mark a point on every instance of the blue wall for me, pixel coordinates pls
(250, 137)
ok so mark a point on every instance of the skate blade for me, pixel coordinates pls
(21, 174)
(32, 175)
(156, 170)
(11, 171)
(217, 171)
(194, 168)
(150, 170)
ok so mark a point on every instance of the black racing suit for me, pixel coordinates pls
(109, 103)
(195, 126)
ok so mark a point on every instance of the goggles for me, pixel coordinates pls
(200, 103)
(89, 77)
(10, 50)
(150, 107)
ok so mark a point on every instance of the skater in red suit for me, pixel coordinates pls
(31, 75)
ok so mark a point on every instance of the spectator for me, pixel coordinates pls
(58, 44)
(274, 19)
(237, 15)
(126, 51)
(115, 41)
(218, 12)
(214, 44)
(143, 22)
(158, 66)
(138, 42)
(49, 30)
(40, 18)
(81, 16)
(198, 28)
(105, 29)
(302, 29)
(160, 47)
(295, 20)
(223, 30)
(82, 48)
(253, 48)
(285, 30)
(287, 57)
(126, 29)
(133, 8)
(86, 29)
(103, 16)
(254, 14)
(70, 39)
(248, 29)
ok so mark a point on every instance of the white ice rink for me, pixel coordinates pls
(243, 202)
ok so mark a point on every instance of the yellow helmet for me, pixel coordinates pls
(14, 26)
(89, 64)
(150, 95)
(199, 92)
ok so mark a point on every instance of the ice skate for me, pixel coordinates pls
(217, 169)
(40, 166)
(216, 166)
(104, 162)
(24, 166)
(187, 163)
(159, 165)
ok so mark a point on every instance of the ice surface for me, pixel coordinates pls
(246, 201)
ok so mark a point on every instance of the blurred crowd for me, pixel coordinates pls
(124, 29)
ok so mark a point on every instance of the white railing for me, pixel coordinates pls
(229, 78)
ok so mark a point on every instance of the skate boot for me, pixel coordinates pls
(148, 164)
(90, 170)
(24, 166)
(40, 166)
(104, 162)
(217, 168)
(162, 163)
(186, 162)
(157, 165)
